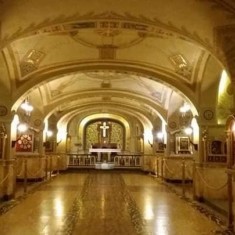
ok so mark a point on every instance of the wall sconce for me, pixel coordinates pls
(22, 127)
(49, 133)
(160, 135)
(185, 108)
(28, 108)
(188, 131)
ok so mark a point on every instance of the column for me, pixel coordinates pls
(8, 163)
(200, 158)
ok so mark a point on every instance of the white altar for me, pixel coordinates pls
(104, 165)
(104, 150)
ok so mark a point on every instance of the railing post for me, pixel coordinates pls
(157, 167)
(15, 177)
(58, 165)
(50, 167)
(162, 162)
(183, 178)
(230, 201)
(25, 175)
(194, 180)
(46, 166)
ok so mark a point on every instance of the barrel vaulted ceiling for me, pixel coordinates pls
(107, 56)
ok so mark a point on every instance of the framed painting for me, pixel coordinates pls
(48, 146)
(24, 143)
(183, 145)
(216, 147)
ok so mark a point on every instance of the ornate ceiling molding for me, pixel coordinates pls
(225, 5)
(145, 27)
(31, 61)
(181, 65)
(225, 42)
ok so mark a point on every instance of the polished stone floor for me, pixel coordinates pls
(106, 203)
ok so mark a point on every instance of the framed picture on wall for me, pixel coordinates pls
(24, 143)
(216, 147)
(48, 146)
(183, 145)
(160, 147)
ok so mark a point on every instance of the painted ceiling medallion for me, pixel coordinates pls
(208, 114)
(37, 122)
(172, 125)
(3, 110)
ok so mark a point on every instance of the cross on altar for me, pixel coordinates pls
(104, 128)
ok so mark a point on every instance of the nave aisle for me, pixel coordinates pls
(105, 202)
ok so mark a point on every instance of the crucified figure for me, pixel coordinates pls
(104, 128)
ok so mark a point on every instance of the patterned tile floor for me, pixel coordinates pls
(106, 203)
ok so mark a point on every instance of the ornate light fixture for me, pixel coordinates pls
(49, 133)
(185, 108)
(160, 135)
(188, 130)
(28, 108)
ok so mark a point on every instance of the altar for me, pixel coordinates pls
(99, 151)
(104, 165)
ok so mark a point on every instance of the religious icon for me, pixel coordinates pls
(183, 144)
(104, 128)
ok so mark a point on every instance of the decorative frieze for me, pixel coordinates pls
(110, 23)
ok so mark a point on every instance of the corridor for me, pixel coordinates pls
(105, 203)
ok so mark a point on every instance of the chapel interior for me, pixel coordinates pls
(117, 117)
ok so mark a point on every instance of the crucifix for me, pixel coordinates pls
(104, 128)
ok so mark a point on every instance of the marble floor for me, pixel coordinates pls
(106, 203)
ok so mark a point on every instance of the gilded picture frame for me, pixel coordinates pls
(183, 145)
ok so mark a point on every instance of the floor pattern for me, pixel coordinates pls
(103, 196)
(107, 202)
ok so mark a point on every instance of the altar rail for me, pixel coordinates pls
(120, 161)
